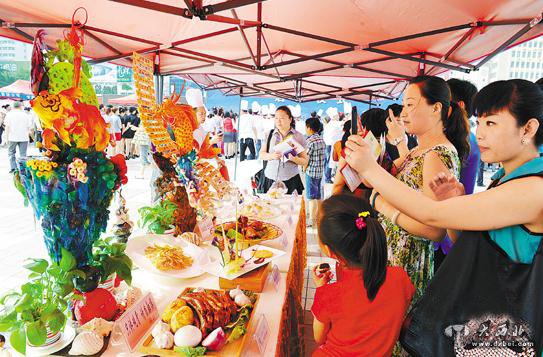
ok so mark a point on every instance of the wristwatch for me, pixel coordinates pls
(398, 140)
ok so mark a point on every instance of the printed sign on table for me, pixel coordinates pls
(275, 277)
(204, 228)
(261, 334)
(138, 320)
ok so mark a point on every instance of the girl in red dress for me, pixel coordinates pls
(360, 314)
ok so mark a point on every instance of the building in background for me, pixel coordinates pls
(11, 50)
(14, 61)
(524, 61)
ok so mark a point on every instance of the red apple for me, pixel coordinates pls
(96, 303)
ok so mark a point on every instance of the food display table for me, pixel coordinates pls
(281, 305)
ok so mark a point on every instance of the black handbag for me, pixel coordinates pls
(262, 182)
(479, 303)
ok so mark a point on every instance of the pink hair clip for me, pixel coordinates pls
(360, 221)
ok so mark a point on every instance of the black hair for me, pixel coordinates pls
(346, 133)
(2, 339)
(522, 98)
(286, 109)
(464, 91)
(539, 82)
(122, 110)
(374, 120)
(250, 111)
(365, 248)
(396, 109)
(314, 124)
(456, 125)
(101, 106)
(227, 115)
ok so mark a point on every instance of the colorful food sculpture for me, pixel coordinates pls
(71, 187)
(169, 187)
(70, 190)
(171, 127)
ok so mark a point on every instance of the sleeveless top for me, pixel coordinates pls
(416, 254)
(518, 241)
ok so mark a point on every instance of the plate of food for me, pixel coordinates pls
(167, 256)
(277, 193)
(203, 322)
(260, 210)
(230, 268)
(248, 231)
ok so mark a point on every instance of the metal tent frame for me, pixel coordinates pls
(267, 65)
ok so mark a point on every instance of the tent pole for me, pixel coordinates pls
(259, 35)
(414, 59)
(512, 39)
(238, 144)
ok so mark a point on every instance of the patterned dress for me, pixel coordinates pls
(416, 254)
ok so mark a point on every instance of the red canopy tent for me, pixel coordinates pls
(131, 99)
(19, 89)
(302, 50)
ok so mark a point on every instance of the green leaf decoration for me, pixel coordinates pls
(36, 333)
(67, 261)
(56, 321)
(37, 265)
(18, 340)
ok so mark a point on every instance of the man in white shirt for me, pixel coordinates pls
(18, 125)
(213, 123)
(247, 135)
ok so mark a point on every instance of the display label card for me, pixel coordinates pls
(261, 334)
(138, 320)
(204, 227)
(275, 277)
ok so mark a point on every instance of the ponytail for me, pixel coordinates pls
(373, 257)
(454, 119)
(365, 248)
(456, 128)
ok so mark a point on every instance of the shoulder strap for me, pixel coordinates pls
(533, 174)
(532, 168)
(434, 148)
(268, 141)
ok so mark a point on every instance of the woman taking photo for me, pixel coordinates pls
(442, 132)
(279, 168)
(510, 212)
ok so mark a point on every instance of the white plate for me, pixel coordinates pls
(214, 267)
(67, 337)
(261, 210)
(135, 249)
